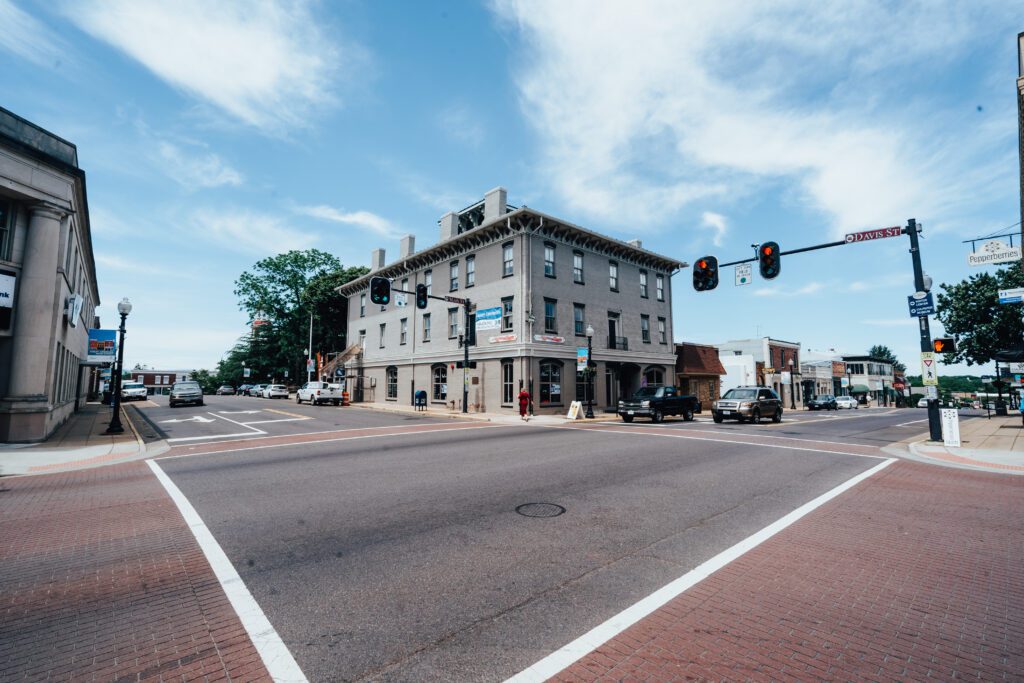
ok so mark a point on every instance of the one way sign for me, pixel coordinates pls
(929, 372)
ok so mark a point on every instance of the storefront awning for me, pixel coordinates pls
(860, 389)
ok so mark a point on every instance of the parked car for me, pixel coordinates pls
(275, 391)
(846, 402)
(133, 391)
(185, 392)
(257, 390)
(748, 403)
(226, 390)
(923, 403)
(243, 389)
(823, 402)
(658, 402)
(319, 392)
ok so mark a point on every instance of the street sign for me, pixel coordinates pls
(1011, 296)
(339, 372)
(950, 427)
(456, 300)
(994, 251)
(880, 233)
(1016, 368)
(920, 304)
(929, 372)
(488, 319)
(401, 300)
(743, 272)
(931, 393)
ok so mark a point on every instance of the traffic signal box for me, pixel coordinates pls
(380, 290)
(944, 345)
(421, 296)
(768, 260)
(705, 274)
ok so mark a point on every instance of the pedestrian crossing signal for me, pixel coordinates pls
(944, 345)
(705, 274)
(421, 296)
(768, 260)
(380, 290)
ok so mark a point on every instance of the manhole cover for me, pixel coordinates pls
(540, 510)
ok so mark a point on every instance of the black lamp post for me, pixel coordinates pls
(849, 381)
(792, 386)
(124, 308)
(591, 367)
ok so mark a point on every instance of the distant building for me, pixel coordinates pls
(776, 365)
(48, 290)
(871, 378)
(160, 381)
(537, 283)
(699, 372)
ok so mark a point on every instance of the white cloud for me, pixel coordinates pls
(26, 37)
(780, 291)
(716, 223)
(268, 64)
(113, 262)
(360, 219)
(459, 124)
(203, 170)
(644, 107)
(250, 232)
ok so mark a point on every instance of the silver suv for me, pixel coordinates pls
(748, 403)
(186, 392)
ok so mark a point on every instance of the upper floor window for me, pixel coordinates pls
(659, 283)
(645, 329)
(426, 327)
(470, 271)
(579, 321)
(506, 314)
(577, 267)
(6, 231)
(383, 327)
(453, 323)
(506, 259)
(362, 305)
(428, 280)
(549, 260)
(550, 315)
(453, 276)
(403, 336)
(661, 331)
(643, 283)
(613, 276)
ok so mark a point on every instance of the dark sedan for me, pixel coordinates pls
(823, 402)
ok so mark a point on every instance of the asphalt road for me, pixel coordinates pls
(402, 556)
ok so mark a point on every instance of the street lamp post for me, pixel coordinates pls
(123, 308)
(792, 386)
(849, 381)
(591, 366)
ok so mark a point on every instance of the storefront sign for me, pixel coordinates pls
(549, 339)
(994, 251)
(581, 358)
(102, 346)
(786, 377)
(503, 338)
(488, 319)
(7, 282)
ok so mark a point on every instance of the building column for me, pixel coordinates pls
(33, 327)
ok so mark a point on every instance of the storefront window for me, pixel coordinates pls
(550, 382)
(440, 383)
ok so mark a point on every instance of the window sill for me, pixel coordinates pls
(507, 275)
(613, 289)
(579, 282)
(551, 277)
(390, 399)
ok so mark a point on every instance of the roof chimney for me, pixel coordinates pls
(408, 246)
(376, 260)
(495, 203)
(636, 243)
(449, 226)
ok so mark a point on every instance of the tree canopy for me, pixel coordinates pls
(970, 309)
(879, 351)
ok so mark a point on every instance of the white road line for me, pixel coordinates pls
(255, 434)
(272, 650)
(284, 419)
(759, 436)
(215, 436)
(590, 641)
(904, 424)
(240, 424)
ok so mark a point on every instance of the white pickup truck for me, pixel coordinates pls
(319, 392)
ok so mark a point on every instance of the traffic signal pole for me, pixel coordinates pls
(934, 426)
(465, 358)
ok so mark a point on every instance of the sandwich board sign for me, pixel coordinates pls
(950, 427)
(929, 372)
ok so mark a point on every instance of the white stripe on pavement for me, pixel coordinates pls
(272, 650)
(590, 641)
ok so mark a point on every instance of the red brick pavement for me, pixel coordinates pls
(100, 579)
(914, 573)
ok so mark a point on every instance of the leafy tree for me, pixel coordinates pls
(330, 311)
(207, 381)
(884, 352)
(971, 310)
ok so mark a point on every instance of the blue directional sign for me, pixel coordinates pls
(921, 305)
(1011, 296)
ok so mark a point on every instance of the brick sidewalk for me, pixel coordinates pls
(916, 572)
(100, 579)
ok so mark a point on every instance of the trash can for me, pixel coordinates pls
(420, 402)
(106, 397)
(1001, 409)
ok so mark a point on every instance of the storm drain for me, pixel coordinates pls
(540, 510)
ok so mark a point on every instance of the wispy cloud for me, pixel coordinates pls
(201, 170)
(26, 37)
(716, 223)
(364, 220)
(780, 291)
(123, 265)
(269, 64)
(646, 107)
(461, 125)
(249, 232)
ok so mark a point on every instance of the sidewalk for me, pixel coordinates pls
(508, 416)
(80, 442)
(995, 445)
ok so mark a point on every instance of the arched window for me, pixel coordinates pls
(550, 382)
(654, 375)
(392, 382)
(439, 383)
(507, 382)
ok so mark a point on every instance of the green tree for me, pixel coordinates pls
(884, 352)
(330, 311)
(207, 381)
(971, 310)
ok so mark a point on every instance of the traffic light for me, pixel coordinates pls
(380, 290)
(944, 345)
(421, 296)
(768, 260)
(705, 274)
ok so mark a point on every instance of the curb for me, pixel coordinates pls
(961, 462)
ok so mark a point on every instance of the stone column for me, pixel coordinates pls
(34, 312)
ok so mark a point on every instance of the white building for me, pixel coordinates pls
(776, 365)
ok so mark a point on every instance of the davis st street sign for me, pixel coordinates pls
(880, 233)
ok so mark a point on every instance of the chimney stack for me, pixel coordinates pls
(495, 203)
(408, 246)
(636, 243)
(449, 226)
(376, 260)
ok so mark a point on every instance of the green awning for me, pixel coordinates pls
(860, 389)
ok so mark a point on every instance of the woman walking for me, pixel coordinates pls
(524, 403)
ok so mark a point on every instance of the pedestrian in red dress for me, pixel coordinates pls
(524, 402)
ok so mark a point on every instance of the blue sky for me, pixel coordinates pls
(214, 134)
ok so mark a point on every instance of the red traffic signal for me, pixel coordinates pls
(705, 274)
(769, 261)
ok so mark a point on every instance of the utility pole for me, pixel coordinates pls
(465, 358)
(309, 351)
(934, 426)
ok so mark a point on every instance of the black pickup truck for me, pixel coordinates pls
(656, 403)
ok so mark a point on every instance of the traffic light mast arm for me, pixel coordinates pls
(827, 245)
(449, 299)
